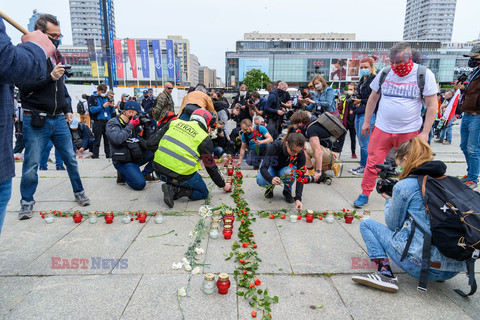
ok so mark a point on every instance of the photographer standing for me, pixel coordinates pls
(102, 108)
(129, 150)
(45, 109)
(241, 101)
(470, 127)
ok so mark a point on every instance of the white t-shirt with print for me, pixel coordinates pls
(400, 107)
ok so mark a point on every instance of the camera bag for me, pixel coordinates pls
(332, 124)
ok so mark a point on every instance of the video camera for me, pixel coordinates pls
(386, 184)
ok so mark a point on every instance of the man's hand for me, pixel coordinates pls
(316, 176)
(69, 117)
(424, 135)
(258, 142)
(134, 122)
(365, 128)
(58, 71)
(81, 150)
(385, 196)
(227, 187)
(41, 39)
(280, 112)
(298, 205)
(276, 181)
(356, 101)
(309, 101)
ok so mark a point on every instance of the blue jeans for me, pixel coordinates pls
(5, 194)
(46, 153)
(35, 139)
(470, 144)
(196, 183)
(447, 131)
(254, 159)
(284, 172)
(130, 171)
(378, 238)
(362, 141)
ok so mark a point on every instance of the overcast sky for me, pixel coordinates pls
(213, 27)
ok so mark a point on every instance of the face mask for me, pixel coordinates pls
(257, 101)
(399, 169)
(312, 92)
(403, 69)
(55, 42)
(243, 93)
(318, 86)
(364, 72)
(304, 94)
(473, 63)
(103, 95)
(350, 92)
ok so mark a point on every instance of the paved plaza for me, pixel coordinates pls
(308, 266)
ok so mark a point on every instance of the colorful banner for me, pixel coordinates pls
(144, 56)
(170, 59)
(132, 54)
(177, 70)
(117, 47)
(449, 112)
(157, 57)
(93, 57)
(104, 54)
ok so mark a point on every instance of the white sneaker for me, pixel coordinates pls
(354, 169)
(379, 281)
(359, 171)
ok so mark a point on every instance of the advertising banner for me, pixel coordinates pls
(170, 59)
(93, 57)
(157, 57)
(132, 54)
(117, 48)
(338, 70)
(245, 65)
(144, 57)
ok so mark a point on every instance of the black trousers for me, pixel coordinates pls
(353, 139)
(99, 130)
(19, 146)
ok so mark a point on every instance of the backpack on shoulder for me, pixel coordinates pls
(454, 211)
(92, 102)
(80, 108)
(332, 124)
(421, 74)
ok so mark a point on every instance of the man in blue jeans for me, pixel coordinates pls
(123, 135)
(45, 108)
(25, 62)
(470, 127)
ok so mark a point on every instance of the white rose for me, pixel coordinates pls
(182, 292)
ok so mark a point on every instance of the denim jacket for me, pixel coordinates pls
(324, 101)
(407, 197)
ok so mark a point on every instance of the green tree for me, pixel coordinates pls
(253, 80)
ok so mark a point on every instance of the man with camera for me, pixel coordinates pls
(129, 149)
(101, 109)
(470, 127)
(241, 101)
(275, 108)
(45, 109)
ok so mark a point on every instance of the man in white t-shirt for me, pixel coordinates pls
(399, 115)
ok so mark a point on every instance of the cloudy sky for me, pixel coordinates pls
(213, 27)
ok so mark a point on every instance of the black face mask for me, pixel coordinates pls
(304, 94)
(473, 63)
(55, 42)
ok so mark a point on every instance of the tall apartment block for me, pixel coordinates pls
(182, 48)
(429, 20)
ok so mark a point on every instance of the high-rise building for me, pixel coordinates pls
(429, 20)
(193, 66)
(182, 49)
(207, 77)
(87, 20)
(298, 36)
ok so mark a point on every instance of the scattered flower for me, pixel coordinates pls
(199, 251)
(182, 292)
(177, 266)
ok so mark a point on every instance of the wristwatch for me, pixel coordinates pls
(318, 171)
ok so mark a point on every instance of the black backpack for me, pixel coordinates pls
(92, 102)
(454, 211)
(80, 108)
(421, 74)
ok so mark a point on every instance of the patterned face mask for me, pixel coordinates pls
(403, 69)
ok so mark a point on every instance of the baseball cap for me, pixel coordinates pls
(474, 52)
(132, 105)
(125, 95)
(74, 124)
(145, 91)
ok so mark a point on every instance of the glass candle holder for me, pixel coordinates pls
(309, 216)
(208, 284)
(293, 218)
(227, 232)
(330, 218)
(109, 217)
(49, 217)
(348, 218)
(215, 222)
(366, 215)
(214, 231)
(158, 217)
(142, 216)
(93, 217)
(127, 218)
(77, 216)
(223, 283)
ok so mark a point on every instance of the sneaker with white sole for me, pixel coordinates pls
(378, 281)
(355, 169)
(337, 169)
(26, 212)
(82, 199)
(359, 171)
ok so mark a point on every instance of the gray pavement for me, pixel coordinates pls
(308, 266)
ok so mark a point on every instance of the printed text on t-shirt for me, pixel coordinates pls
(407, 90)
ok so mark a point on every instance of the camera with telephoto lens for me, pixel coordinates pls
(251, 101)
(386, 183)
(68, 72)
(353, 96)
(462, 78)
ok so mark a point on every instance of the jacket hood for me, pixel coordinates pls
(431, 168)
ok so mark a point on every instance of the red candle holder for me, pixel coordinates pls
(77, 217)
(348, 218)
(109, 217)
(309, 218)
(142, 217)
(223, 283)
(230, 170)
(227, 232)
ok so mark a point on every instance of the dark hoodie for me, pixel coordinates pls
(434, 169)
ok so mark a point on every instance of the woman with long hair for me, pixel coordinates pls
(415, 157)
(324, 97)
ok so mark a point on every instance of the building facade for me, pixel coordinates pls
(87, 20)
(207, 77)
(298, 36)
(193, 66)
(182, 50)
(297, 62)
(429, 20)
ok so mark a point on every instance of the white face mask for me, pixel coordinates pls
(318, 86)
(243, 93)
(257, 101)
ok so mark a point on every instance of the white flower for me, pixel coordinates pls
(199, 251)
(177, 266)
(205, 211)
(182, 292)
(188, 267)
(196, 270)
(185, 261)
(190, 234)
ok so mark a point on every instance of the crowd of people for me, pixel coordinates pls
(390, 111)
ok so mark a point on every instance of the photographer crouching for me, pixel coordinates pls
(126, 134)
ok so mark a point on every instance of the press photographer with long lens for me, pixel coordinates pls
(390, 240)
(470, 127)
(45, 110)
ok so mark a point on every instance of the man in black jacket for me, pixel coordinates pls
(45, 109)
(129, 150)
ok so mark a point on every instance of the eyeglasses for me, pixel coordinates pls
(55, 36)
(171, 88)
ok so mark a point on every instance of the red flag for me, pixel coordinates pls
(449, 112)
(117, 48)
(132, 55)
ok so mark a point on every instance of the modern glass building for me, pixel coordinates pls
(297, 62)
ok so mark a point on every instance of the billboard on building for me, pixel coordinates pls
(245, 65)
(338, 70)
(352, 69)
(318, 66)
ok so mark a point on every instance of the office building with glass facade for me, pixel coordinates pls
(297, 62)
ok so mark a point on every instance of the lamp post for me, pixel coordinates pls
(261, 83)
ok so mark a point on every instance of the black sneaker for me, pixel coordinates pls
(269, 192)
(26, 212)
(288, 196)
(168, 194)
(379, 281)
(120, 179)
(82, 199)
